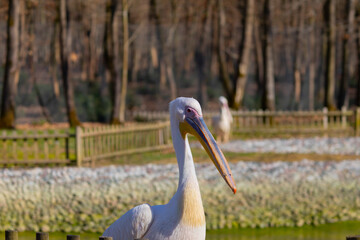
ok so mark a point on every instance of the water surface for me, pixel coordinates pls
(334, 231)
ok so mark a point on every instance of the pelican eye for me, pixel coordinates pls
(190, 112)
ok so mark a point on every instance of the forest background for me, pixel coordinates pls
(97, 60)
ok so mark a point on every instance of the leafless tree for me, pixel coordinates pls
(112, 58)
(235, 92)
(11, 73)
(268, 99)
(202, 48)
(312, 59)
(298, 54)
(65, 49)
(330, 38)
(357, 39)
(343, 99)
(124, 80)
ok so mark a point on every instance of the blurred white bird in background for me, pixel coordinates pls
(222, 122)
(183, 217)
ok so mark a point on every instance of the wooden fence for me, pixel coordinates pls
(82, 145)
(87, 145)
(280, 121)
(36, 147)
(114, 141)
(13, 235)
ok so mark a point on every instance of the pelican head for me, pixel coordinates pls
(187, 115)
(223, 101)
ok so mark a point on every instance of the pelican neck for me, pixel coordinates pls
(184, 157)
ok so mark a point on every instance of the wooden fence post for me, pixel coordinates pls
(357, 121)
(72, 237)
(105, 238)
(325, 118)
(42, 236)
(67, 148)
(11, 235)
(79, 146)
(353, 237)
(343, 117)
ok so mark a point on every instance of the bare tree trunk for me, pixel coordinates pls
(85, 71)
(235, 92)
(269, 93)
(172, 82)
(65, 48)
(188, 53)
(89, 60)
(224, 76)
(312, 61)
(245, 50)
(214, 43)
(155, 20)
(169, 51)
(165, 48)
(54, 55)
(125, 22)
(297, 64)
(357, 39)
(312, 67)
(33, 62)
(259, 58)
(136, 63)
(344, 80)
(112, 58)
(23, 43)
(11, 73)
(330, 31)
(200, 51)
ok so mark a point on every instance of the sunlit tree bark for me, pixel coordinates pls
(163, 53)
(298, 54)
(11, 71)
(245, 49)
(65, 48)
(343, 99)
(124, 80)
(312, 62)
(235, 92)
(268, 100)
(330, 32)
(259, 67)
(357, 100)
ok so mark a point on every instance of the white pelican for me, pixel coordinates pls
(222, 123)
(183, 217)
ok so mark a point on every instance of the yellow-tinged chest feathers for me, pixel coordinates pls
(192, 208)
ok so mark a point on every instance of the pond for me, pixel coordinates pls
(334, 231)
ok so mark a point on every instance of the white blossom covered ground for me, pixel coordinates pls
(319, 145)
(269, 194)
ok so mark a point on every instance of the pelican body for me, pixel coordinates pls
(183, 217)
(222, 122)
